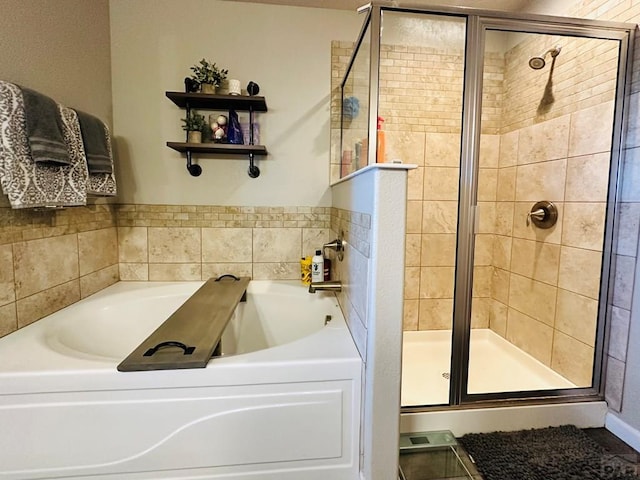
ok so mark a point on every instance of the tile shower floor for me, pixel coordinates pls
(455, 464)
(495, 365)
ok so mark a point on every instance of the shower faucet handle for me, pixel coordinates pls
(543, 214)
(538, 214)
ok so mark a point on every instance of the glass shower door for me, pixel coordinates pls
(542, 207)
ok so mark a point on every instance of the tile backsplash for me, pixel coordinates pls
(51, 259)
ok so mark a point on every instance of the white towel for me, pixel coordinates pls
(27, 184)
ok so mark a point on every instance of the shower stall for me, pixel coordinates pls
(515, 126)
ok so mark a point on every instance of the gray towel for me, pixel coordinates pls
(44, 129)
(94, 137)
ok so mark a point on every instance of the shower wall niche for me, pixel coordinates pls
(543, 134)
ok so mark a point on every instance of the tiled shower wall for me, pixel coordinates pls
(49, 260)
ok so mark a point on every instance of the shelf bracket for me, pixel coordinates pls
(194, 169)
(254, 172)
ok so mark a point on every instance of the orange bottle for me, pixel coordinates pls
(381, 143)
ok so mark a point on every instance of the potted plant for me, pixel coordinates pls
(195, 125)
(208, 76)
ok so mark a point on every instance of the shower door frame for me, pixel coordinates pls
(478, 23)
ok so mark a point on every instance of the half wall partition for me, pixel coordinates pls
(515, 124)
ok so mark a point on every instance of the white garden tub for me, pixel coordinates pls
(282, 403)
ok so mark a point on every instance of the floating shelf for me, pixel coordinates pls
(218, 102)
(218, 148)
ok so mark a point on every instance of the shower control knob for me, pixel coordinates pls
(543, 214)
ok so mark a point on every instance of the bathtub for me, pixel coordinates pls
(282, 402)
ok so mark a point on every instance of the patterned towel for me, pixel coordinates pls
(27, 183)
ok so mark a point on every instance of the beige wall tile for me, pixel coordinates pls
(544, 141)
(215, 270)
(489, 151)
(440, 217)
(541, 181)
(133, 244)
(577, 316)
(415, 184)
(487, 184)
(134, 271)
(46, 302)
(277, 245)
(8, 319)
(480, 312)
(572, 359)
(410, 316)
(584, 139)
(405, 146)
(438, 250)
(276, 271)
(628, 229)
(483, 252)
(482, 279)
(509, 149)
(413, 248)
(441, 183)
(486, 213)
(504, 218)
(536, 260)
(531, 232)
(500, 285)
(623, 281)
(533, 298)
(314, 238)
(583, 225)
(411, 282)
(580, 271)
(614, 383)
(442, 149)
(174, 245)
(97, 249)
(45, 263)
(506, 184)
(436, 282)
(619, 333)
(174, 272)
(7, 287)
(435, 314)
(588, 178)
(96, 281)
(498, 319)
(502, 251)
(530, 335)
(414, 216)
(227, 245)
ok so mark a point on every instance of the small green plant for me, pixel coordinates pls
(195, 123)
(206, 72)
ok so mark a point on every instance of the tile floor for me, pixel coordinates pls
(447, 464)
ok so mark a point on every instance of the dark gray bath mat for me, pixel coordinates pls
(555, 453)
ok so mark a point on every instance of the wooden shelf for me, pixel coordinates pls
(218, 148)
(218, 102)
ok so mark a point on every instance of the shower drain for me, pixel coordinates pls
(446, 375)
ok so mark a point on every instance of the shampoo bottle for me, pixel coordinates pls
(317, 267)
(381, 143)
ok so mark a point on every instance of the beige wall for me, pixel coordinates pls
(284, 49)
(51, 259)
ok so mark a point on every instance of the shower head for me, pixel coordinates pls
(538, 62)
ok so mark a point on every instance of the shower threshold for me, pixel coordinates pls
(495, 366)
